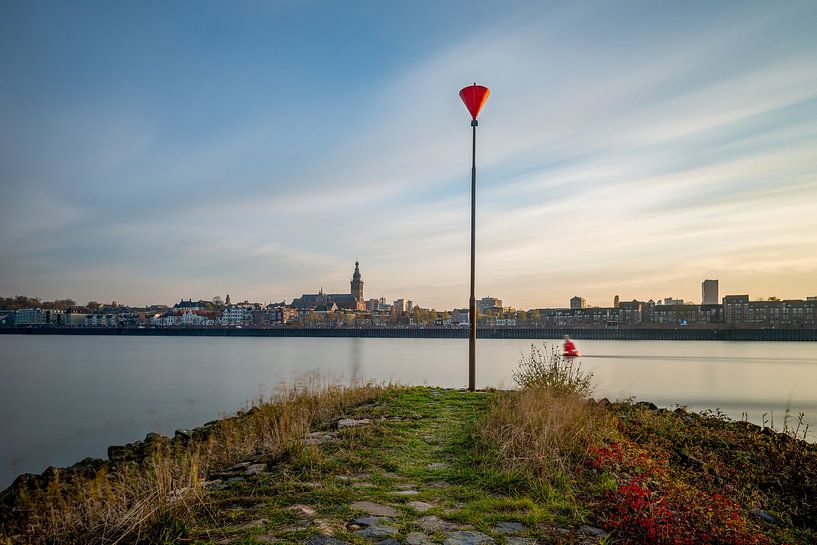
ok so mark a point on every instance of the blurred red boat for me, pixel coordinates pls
(570, 350)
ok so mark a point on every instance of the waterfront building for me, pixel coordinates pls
(6, 317)
(735, 309)
(711, 314)
(39, 316)
(400, 306)
(676, 314)
(709, 292)
(631, 312)
(488, 302)
(241, 314)
(279, 313)
(578, 302)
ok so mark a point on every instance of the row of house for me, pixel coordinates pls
(735, 310)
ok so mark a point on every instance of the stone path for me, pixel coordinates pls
(391, 474)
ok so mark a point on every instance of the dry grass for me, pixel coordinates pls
(125, 500)
(546, 429)
(546, 434)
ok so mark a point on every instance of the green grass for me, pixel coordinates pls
(412, 428)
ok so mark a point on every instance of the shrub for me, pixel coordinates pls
(546, 368)
(545, 439)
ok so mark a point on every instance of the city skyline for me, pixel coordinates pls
(626, 150)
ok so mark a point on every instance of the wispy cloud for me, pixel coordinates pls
(621, 153)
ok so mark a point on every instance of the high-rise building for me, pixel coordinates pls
(709, 292)
(578, 302)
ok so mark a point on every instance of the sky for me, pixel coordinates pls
(152, 151)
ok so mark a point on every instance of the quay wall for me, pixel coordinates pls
(628, 334)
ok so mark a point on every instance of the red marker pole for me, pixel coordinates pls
(474, 97)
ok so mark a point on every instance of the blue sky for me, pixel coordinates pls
(162, 150)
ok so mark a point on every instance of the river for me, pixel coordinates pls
(63, 398)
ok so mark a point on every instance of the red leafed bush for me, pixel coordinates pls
(651, 506)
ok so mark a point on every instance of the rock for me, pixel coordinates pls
(351, 422)
(319, 437)
(434, 524)
(183, 436)
(405, 492)
(302, 510)
(87, 467)
(437, 465)
(153, 437)
(258, 523)
(390, 541)
(592, 531)
(255, 469)
(420, 506)
(765, 516)
(215, 484)
(374, 509)
(510, 528)
(120, 453)
(370, 521)
(417, 538)
(329, 526)
(323, 540)
(266, 538)
(468, 538)
(235, 480)
(297, 527)
(520, 541)
(405, 486)
(376, 530)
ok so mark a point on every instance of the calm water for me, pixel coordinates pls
(64, 398)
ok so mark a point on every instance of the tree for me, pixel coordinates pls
(218, 301)
(93, 306)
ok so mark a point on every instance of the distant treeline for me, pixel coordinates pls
(21, 301)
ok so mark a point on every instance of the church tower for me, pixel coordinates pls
(357, 284)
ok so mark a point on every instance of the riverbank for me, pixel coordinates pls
(637, 333)
(422, 465)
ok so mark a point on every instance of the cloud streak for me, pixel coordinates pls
(619, 154)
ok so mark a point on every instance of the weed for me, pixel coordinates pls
(546, 368)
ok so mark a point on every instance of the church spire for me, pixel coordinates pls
(357, 283)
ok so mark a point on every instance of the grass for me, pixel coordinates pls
(546, 456)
